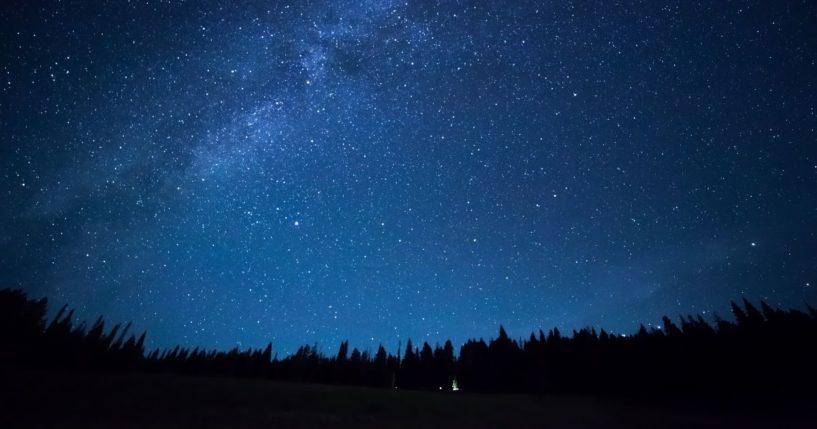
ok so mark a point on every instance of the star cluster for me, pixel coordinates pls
(237, 172)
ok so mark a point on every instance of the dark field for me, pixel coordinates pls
(57, 399)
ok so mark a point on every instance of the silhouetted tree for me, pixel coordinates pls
(766, 351)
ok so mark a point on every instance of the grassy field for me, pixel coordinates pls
(59, 399)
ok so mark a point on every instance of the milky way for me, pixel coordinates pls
(230, 173)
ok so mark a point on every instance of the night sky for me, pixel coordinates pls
(228, 173)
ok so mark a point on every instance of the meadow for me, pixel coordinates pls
(77, 399)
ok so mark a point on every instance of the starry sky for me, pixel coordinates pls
(228, 173)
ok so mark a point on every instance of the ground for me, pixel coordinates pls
(62, 399)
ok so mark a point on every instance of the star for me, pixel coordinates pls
(417, 168)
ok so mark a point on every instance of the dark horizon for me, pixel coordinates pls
(765, 357)
(712, 317)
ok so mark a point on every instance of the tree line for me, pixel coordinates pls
(764, 349)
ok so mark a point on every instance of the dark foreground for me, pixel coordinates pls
(60, 399)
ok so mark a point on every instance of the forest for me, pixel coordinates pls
(763, 350)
